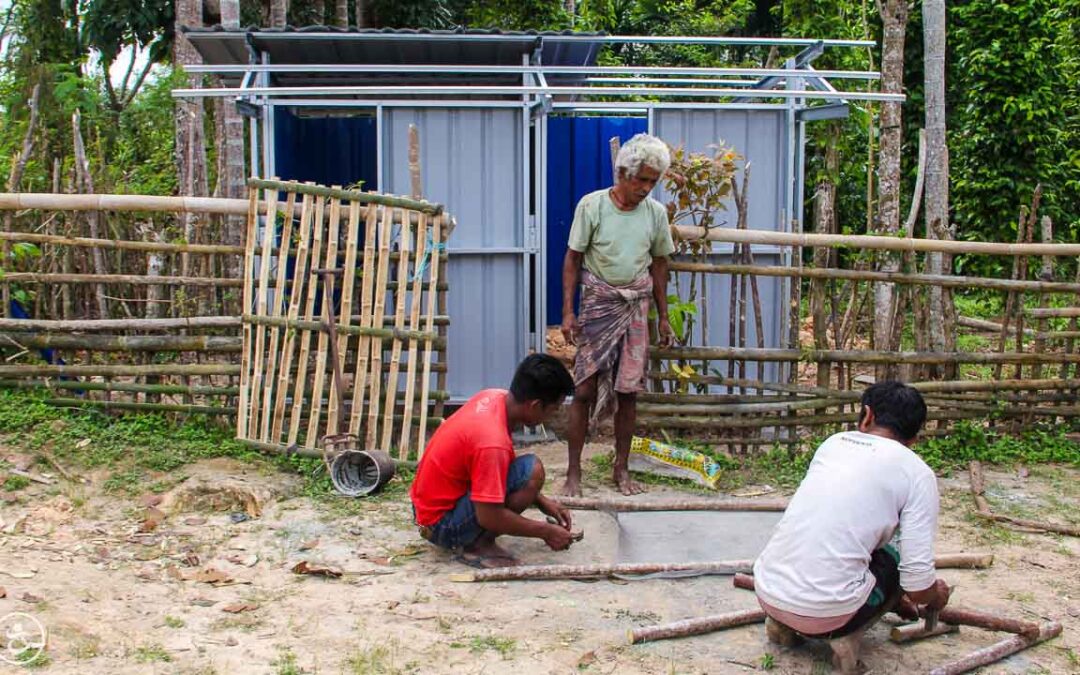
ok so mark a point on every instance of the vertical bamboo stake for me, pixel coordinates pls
(366, 308)
(313, 434)
(348, 283)
(415, 177)
(392, 389)
(268, 232)
(385, 233)
(425, 383)
(305, 336)
(1073, 326)
(1047, 274)
(276, 311)
(1029, 235)
(440, 380)
(300, 273)
(245, 358)
(414, 325)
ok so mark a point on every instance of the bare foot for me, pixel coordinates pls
(846, 654)
(489, 555)
(624, 484)
(572, 486)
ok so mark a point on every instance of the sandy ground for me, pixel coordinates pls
(117, 600)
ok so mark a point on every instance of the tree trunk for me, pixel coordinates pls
(341, 13)
(824, 223)
(86, 180)
(190, 137)
(231, 174)
(319, 9)
(18, 167)
(942, 333)
(279, 10)
(363, 14)
(894, 16)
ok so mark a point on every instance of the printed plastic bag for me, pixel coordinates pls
(649, 456)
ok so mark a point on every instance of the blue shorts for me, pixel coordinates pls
(459, 526)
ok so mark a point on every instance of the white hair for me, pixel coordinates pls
(646, 150)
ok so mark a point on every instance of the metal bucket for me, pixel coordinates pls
(360, 473)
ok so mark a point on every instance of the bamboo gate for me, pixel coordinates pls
(171, 337)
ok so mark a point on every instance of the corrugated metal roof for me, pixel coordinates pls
(398, 46)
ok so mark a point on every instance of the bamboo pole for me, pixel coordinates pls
(414, 325)
(349, 195)
(392, 390)
(599, 571)
(998, 651)
(945, 386)
(87, 385)
(425, 381)
(122, 343)
(987, 621)
(940, 280)
(319, 382)
(91, 325)
(441, 307)
(385, 234)
(296, 295)
(918, 631)
(44, 201)
(305, 337)
(743, 581)
(1053, 312)
(120, 370)
(269, 233)
(698, 626)
(736, 408)
(352, 241)
(983, 510)
(873, 242)
(242, 412)
(964, 561)
(133, 279)
(854, 356)
(276, 311)
(367, 303)
(1047, 272)
(134, 405)
(689, 504)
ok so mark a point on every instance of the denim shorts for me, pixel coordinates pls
(459, 526)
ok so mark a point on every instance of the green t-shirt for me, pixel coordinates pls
(619, 245)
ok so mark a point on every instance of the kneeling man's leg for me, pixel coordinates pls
(846, 641)
(524, 481)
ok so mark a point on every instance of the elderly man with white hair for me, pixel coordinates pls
(620, 236)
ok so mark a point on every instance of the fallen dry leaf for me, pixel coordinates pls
(308, 545)
(586, 660)
(305, 567)
(211, 575)
(30, 598)
(83, 443)
(151, 519)
(238, 607)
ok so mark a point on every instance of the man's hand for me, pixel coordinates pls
(570, 328)
(557, 538)
(934, 597)
(667, 336)
(552, 508)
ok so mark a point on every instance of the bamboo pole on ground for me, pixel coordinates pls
(697, 626)
(599, 571)
(352, 241)
(269, 231)
(983, 510)
(986, 620)
(404, 247)
(374, 397)
(305, 336)
(918, 631)
(319, 381)
(425, 382)
(245, 361)
(301, 276)
(367, 299)
(414, 325)
(275, 333)
(688, 504)
(998, 651)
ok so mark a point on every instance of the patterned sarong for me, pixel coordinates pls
(614, 339)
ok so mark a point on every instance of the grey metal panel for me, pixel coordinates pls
(757, 135)
(472, 162)
(486, 340)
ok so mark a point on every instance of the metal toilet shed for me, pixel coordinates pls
(506, 122)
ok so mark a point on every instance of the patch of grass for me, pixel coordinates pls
(174, 622)
(768, 662)
(969, 440)
(40, 660)
(14, 483)
(129, 482)
(376, 660)
(493, 643)
(152, 653)
(285, 663)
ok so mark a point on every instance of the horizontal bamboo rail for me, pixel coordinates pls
(45, 201)
(121, 370)
(348, 195)
(122, 343)
(91, 325)
(86, 385)
(382, 333)
(137, 405)
(1052, 312)
(940, 280)
(133, 279)
(853, 356)
(863, 241)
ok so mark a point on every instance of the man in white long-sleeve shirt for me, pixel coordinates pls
(829, 571)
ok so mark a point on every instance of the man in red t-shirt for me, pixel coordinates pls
(470, 487)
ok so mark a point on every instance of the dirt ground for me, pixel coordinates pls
(199, 593)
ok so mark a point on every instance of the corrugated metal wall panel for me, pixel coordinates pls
(472, 162)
